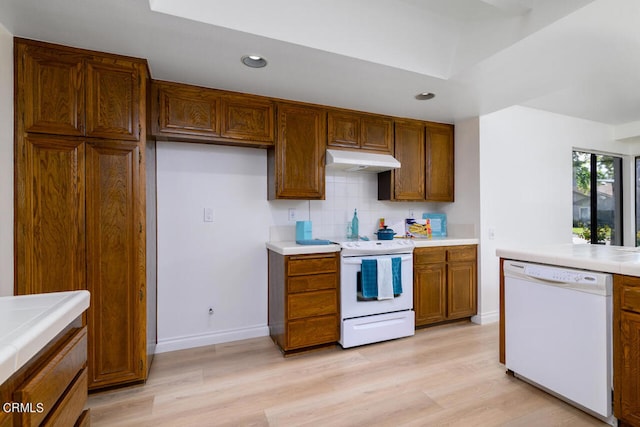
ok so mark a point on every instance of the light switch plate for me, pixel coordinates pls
(208, 215)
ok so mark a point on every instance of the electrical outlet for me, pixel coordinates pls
(492, 233)
(208, 215)
(411, 213)
(292, 214)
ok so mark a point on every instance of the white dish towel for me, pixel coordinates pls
(385, 278)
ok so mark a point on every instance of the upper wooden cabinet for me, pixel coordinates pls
(113, 93)
(408, 181)
(360, 131)
(440, 167)
(72, 92)
(425, 151)
(296, 165)
(190, 113)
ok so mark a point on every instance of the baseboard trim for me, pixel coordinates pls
(201, 340)
(486, 318)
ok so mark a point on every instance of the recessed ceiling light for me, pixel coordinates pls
(424, 96)
(254, 61)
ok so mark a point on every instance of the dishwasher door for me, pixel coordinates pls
(558, 332)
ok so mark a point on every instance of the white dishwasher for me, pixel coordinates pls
(558, 330)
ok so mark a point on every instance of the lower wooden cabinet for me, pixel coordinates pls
(626, 349)
(52, 387)
(445, 283)
(303, 300)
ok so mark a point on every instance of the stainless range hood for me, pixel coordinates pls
(360, 161)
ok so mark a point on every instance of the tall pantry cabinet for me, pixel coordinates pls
(80, 211)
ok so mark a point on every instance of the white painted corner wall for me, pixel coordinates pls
(526, 184)
(6, 162)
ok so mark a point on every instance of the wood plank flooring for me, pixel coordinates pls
(443, 376)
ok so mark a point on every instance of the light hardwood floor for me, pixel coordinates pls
(443, 376)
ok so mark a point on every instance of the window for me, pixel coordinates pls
(597, 198)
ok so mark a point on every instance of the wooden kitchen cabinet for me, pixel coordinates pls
(295, 167)
(80, 196)
(195, 114)
(303, 301)
(53, 382)
(445, 283)
(426, 151)
(76, 93)
(439, 162)
(347, 129)
(626, 350)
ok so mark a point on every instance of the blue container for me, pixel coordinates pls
(303, 230)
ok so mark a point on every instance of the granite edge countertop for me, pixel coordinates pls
(29, 322)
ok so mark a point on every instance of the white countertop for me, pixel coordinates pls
(608, 259)
(29, 322)
(292, 248)
(444, 241)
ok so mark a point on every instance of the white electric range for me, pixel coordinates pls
(366, 319)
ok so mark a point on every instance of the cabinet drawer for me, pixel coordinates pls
(312, 265)
(429, 255)
(312, 283)
(314, 331)
(312, 304)
(631, 298)
(51, 381)
(85, 419)
(67, 412)
(461, 253)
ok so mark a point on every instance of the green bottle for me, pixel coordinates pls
(354, 225)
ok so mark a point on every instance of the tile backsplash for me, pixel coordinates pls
(346, 191)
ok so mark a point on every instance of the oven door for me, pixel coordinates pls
(352, 303)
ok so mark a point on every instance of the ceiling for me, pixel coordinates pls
(575, 57)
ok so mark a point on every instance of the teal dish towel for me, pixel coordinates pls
(396, 271)
(369, 270)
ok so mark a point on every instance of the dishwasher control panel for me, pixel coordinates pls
(560, 275)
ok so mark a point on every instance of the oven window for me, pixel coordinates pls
(361, 297)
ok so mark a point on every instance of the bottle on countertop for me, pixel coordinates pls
(354, 225)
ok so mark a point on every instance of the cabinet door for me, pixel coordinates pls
(50, 89)
(115, 88)
(430, 293)
(50, 212)
(439, 172)
(299, 152)
(628, 385)
(344, 129)
(115, 259)
(376, 134)
(186, 110)
(461, 289)
(247, 118)
(409, 150)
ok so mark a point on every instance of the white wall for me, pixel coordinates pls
(224, 264)
(526, 183)
(6, 162)
(220, 264)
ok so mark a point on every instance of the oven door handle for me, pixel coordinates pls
(358, 260)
